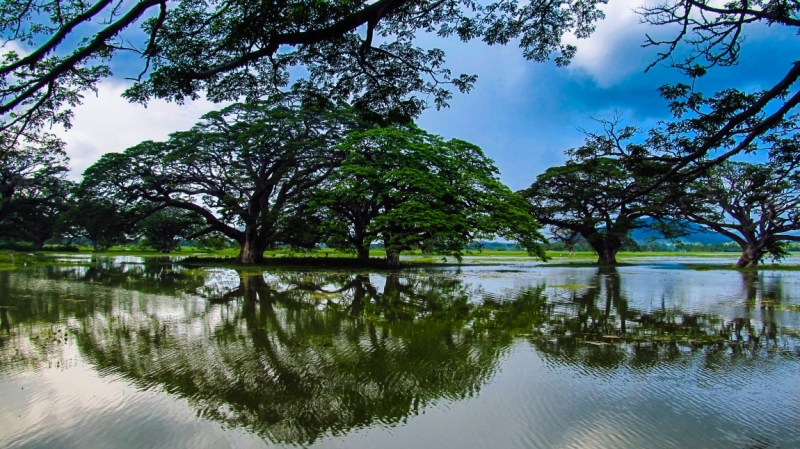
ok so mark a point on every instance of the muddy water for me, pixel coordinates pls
(129, 352)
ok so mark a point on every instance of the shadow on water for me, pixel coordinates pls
(294, 356)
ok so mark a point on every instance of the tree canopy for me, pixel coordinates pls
(592, 193)
(33, 187)
(164, 229)
(407, 188)
(100, 220)
(755, 205)
(246, 170)
(709, 129)
(360, 51)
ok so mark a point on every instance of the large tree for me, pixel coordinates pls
(246, 169)
(593, 193)
(361, 51)
(709, 129)
(755, 205)
(406, 188)
(33, 187)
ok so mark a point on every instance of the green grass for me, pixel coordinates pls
(765, 266)
(13, 259)
(233, 252)
(488, 257)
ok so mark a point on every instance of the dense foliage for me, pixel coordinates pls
(408, 189)
(360, 51)
(33, 188)
(100, 220)
(755, 205)
(594, 194)
(164, 229)
(246, 170)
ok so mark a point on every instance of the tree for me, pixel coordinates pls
(409, 188)
(710, 129)
(98, 219)
(361, 51)
(247, 170)
(165, 228)
(755, 205)
(592, 193)
(33, 187)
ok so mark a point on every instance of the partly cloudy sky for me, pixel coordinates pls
(523, 114)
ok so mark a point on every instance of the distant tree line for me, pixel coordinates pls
(293, 171)
(597, 195)
(285, 172)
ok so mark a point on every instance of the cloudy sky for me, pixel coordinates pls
(523, 114)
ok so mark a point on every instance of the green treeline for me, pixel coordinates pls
(279, 173)
(284, 173)
(322, 148)
(624, 179)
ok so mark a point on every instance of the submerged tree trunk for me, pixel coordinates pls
(253, 286)
(391, 291)
(751, 255)
(167, 247)
(392, 259)
(252, 251)
(607, 249)
(362, 253)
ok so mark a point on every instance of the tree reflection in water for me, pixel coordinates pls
(595, 327)
(294, 356)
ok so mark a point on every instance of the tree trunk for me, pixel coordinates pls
(251, 251)
(392, 259)
(5, 324)
(607, 249)
(359, 295)
(362, 253)
(165, 247)
(425, 248)
(751, 255)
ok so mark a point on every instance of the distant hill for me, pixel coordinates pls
(698, 235)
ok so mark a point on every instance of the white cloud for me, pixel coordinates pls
(14, 46)
(614, 50)
(108, 123)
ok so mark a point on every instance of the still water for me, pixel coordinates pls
(128, 352)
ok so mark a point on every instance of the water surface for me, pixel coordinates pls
(133, 352)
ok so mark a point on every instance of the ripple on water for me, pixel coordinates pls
(640, 356)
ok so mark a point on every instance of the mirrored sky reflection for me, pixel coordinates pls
(136, 353)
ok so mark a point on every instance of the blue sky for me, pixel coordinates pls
(523, 114)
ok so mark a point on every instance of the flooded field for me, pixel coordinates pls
(132, 352)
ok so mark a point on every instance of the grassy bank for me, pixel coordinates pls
(10, 260)
(333, 258)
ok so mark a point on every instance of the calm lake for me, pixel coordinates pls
(133, 352)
